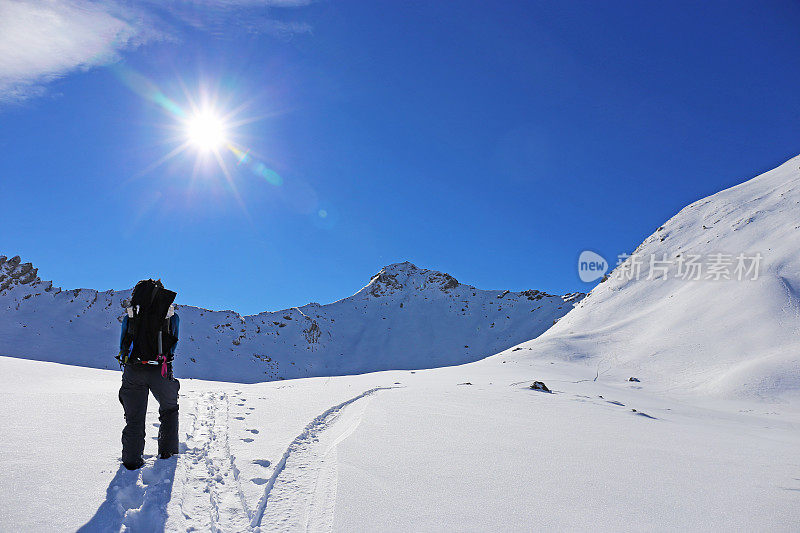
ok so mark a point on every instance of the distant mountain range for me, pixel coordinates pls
(405, 318)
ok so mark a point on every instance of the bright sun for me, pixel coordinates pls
(206, 131)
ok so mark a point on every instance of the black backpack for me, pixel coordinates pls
(148, 334)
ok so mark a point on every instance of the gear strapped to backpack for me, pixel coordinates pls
(148, 337)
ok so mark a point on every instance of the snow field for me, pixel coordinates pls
(398, 451)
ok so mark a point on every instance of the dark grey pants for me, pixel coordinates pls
(137, 382)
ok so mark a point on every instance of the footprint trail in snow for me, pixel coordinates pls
(207, 495)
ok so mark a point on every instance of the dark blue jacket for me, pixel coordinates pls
(174, 325)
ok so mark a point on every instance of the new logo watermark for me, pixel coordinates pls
(591, 266)
(690, 267)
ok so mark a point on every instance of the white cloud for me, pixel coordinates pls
(41, 40)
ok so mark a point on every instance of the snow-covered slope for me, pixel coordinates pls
(726, 338)
(405, 317)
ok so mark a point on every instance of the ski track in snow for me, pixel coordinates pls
(301, 493)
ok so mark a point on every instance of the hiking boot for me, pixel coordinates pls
(134, 466)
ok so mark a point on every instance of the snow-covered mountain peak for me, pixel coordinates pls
(407, 276)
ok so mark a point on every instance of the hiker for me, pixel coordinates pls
(147, 346)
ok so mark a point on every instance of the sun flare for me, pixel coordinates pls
(206, 131)
(204, 128)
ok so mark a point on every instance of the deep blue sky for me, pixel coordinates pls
(491, 141)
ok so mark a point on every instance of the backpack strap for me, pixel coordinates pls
(167, 328)
(127, 337)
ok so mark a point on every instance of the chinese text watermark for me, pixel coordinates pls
(689, 267)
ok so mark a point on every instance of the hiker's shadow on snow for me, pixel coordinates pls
(147, 491)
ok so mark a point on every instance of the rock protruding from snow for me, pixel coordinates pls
(14, 273)
(539, 385)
